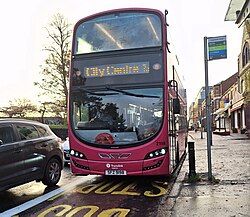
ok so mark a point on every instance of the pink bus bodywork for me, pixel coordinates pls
(130, 160)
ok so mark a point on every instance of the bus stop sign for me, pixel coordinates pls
(217, 48)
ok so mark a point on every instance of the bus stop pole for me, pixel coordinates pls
(208, 115)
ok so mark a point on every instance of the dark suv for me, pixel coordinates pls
(29, 151)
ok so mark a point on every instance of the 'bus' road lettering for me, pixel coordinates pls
(125, 191)
(71, 211)
(151, 194)
(129, 189)
(88, 188)
(101, 190)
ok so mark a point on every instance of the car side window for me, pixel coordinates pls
(27, 132)
(7, 134)
(42, 131)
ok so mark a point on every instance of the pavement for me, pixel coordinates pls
(228, 194)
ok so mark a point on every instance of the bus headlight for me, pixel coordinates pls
(77, 154)
(157, 66)
(156, 153)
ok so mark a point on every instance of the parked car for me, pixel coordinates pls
(66, 150)
(29, 151)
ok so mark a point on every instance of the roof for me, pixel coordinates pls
(234, 6)
(227, 83)
(244, 13)
(2, 120)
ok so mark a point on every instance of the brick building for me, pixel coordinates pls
(222, 96)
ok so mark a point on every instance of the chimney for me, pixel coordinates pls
(237, 13)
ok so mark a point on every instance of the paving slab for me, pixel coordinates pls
(229, 193)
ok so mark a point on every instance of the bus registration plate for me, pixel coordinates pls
(116, 172)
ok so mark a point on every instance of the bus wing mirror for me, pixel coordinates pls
(166, 13)
(176, 106)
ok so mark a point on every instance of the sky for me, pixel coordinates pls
(23, 38)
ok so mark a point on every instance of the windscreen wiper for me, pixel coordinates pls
(129, 93)
(93, 93)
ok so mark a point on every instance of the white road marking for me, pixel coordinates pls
(42, 198)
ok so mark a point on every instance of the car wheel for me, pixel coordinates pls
(52, 173)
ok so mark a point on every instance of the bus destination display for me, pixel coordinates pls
(116, 69)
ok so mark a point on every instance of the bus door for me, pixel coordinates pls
(173, 111)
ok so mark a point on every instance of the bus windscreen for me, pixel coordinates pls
(129, 116)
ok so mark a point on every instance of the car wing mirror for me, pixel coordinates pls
(1, 142)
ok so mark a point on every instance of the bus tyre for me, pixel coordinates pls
(52, 173)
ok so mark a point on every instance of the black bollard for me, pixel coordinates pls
(191, 159)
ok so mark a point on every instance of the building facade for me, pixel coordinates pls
(241, 102)
(222, 96)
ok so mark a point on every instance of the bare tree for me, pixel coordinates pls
(54, 108)
(18, 108)
(55, 69)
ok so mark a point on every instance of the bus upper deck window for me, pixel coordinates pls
(117, 32)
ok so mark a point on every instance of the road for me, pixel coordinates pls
(122, 196)
(87, 196)
(23, 193)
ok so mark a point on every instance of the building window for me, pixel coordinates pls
(242, 84)
(245, 54)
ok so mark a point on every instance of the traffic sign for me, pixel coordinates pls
(217, 47)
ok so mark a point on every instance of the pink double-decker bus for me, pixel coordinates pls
(127, 106)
